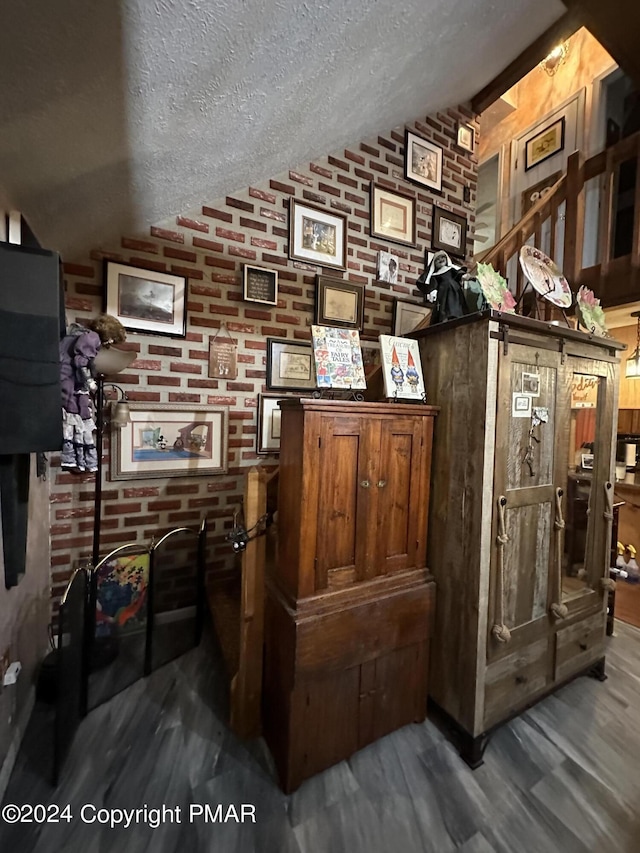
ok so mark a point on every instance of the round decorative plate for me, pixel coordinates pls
(545, 277)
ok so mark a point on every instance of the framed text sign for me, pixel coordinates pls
(260, 285)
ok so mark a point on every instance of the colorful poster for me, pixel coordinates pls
(338, 358)
(402, 368)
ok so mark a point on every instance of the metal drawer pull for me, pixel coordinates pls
(365, 484)
(382, 484)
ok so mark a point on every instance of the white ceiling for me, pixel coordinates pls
(117, 115)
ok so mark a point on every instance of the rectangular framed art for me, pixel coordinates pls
(449, 232)
(544, 144)
(146, 301)
(393, 216)
(290, 365)
(260, 285)
(339, 303)
(465, 137)
(268, 438)
(407, 315)
(317, 236)
(170, 440)
(422, 161)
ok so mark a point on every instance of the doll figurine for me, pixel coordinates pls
(77, 350)
(443, 283)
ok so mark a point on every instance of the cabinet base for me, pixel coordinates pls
(597, 670)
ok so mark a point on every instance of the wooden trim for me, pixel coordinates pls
(564, 27)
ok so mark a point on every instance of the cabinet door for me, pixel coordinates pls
(399, 489)
(530, 463)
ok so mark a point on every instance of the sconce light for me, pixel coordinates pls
(556, 58)
(121, 415)
(632, 367)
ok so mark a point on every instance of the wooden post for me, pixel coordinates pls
(574, 219)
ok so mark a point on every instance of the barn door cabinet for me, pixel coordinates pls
(525, 407)
(349, 600)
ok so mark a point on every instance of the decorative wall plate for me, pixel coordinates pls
(495, 289)
(545, 277)
(590, 313)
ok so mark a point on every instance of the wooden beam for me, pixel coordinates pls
(528, 59)
(616, 24)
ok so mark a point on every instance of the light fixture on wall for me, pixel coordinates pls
(556, 58)
(632, 367)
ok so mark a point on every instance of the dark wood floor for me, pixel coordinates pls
(561, 777)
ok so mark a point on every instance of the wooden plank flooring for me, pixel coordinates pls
(561, 777)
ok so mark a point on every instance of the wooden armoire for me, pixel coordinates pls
(349, 601)
(524, 406)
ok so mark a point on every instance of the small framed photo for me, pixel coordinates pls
(146, 301)
(339, 303)
(449, 232)
(393, 216)
(531, 384)
(521, 406)
(544, 144)
(408, 315)
(317, 236)
(260, 285)
(465, 137)
(268, 438)
(290, 365)
(422, 161)
(388, 267)
(587, 461)
(170, 440)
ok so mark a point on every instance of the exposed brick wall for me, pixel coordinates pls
(209, 247)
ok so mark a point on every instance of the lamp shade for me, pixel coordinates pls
(110, 360)
(121, 415)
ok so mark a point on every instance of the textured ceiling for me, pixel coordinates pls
(117, 115)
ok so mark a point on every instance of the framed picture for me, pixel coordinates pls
(407, 315)
(170, 440)
(260, 285)
(449, 232)
(544, 144)
(290, 365)
(223, 357)
(393, 216)
(531, 384)
(422, 161)
(339, 303)
(465, 137)
(534, 193)
(146, 301)
(388, 267)
(317, 236)
(587, 461)
(268, 438)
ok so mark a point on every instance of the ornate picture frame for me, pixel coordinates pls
(339, 303)
(422, 161)
(317, 236)
(449, 232)
(393, 216)
(170, 440)
(146, 301)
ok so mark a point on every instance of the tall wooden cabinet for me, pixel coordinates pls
(349, 604)
(524, 404)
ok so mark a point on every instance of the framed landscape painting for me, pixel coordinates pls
(146, 301)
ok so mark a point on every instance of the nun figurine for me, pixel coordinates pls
(442, 284)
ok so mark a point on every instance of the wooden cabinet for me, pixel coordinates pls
(349, 600)
(517, 599)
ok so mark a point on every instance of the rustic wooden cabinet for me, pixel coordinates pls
(519, 610)
(349, 600)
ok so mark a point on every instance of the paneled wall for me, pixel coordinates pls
(209, 247)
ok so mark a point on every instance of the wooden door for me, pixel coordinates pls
(530, 464)
(399, 491)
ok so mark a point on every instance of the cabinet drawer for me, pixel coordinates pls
(511, 681)
(578, 645)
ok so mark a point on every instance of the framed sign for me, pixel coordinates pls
(422, 161)
(544, 144)
(145, 300)
(223, 357)
(449, 232)
(339, 303)
(170, 440)
(393, 216)
(290, 365)
(268, 438)
(260, 285)
(317, 236)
